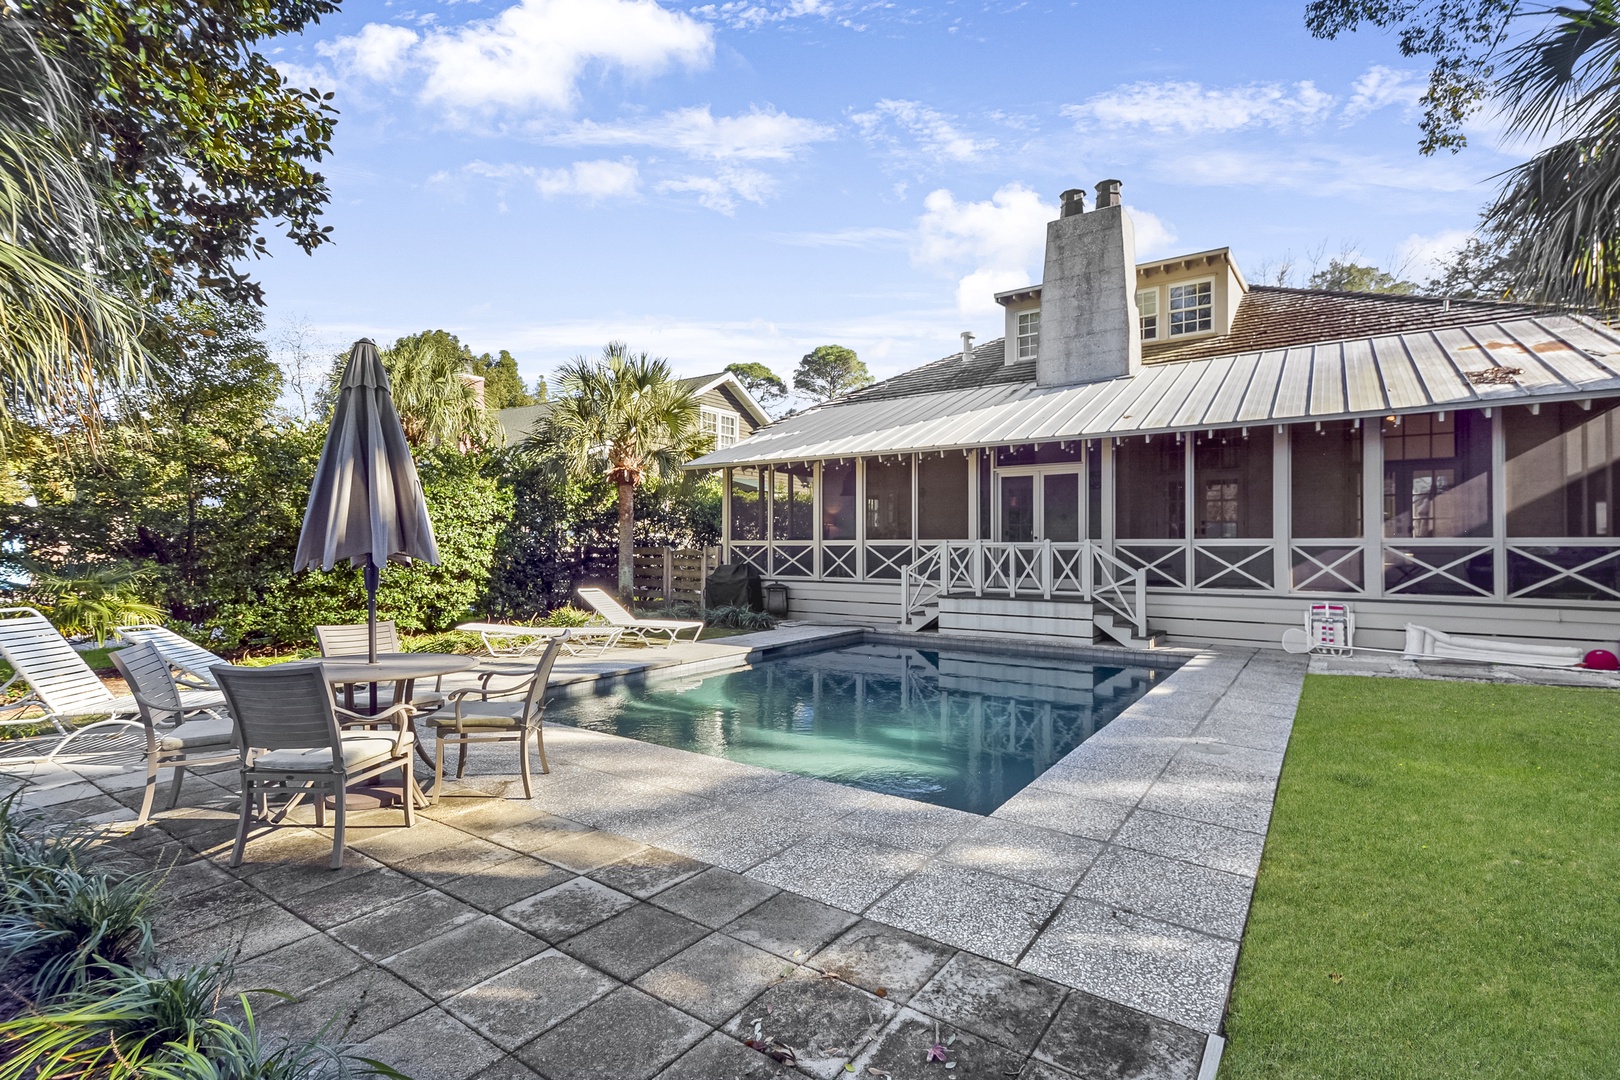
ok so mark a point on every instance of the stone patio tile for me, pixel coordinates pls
(295, 852)
(634, 940)
(1259, 735)
(1232, 850)
(901, 1052)
(1170, 700)
(1225, 759)
(905, 823)
(1035, 1069)
(1233, 803)
(877, 958)
(505, 883)
(390, 842)
(262, 930)
(714, 978)
(1041, 857)
(839, 869)
(1000, 1003)
(351, 897)
(298, 968)
(1197, 897)
(508, 1068)
(1048, 808)
(36, 797)
(527, 836)
(481, 815)
(588, 851)
(468, 954)
(661, 810)
(431, 1044)
(720, 1057)
(826, 1021)
(1094, 1037)
(1167, 970)
(357, 1006)
(738, 841)
(181, 879)
(647, 872)
(529, 999)
(469, 855)
(715, 897)
(813, 799)
(206, 907)
(561, 912)
(790, 926)
(88, 809)
(624, 1036)
(393, 929)
(992, 916)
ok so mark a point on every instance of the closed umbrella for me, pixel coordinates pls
(366, 503)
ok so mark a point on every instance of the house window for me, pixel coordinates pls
(1563, 470)
(1029, 334)
(1437, 475)
(1147, 310)
(1192, 308)
(721, 426)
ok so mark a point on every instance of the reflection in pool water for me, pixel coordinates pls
(957, 728)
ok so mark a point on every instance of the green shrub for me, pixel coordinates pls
(64, 927)
(740, 618)
(567, 615)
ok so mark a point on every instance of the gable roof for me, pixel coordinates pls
(519, 421)
(702, 384)
(1516, 360)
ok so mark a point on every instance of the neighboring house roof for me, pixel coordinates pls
(519, 422)
(702, 384)
(1519, 359)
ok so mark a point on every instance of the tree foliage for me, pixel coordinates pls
(1460, 38)
(1475, 271)
(203, 139)
(829, 371)
(765, 385)
(503, 384)
(1345, 275)
(438, 403)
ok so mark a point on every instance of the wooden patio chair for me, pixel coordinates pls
(647, 630)
(487, 713)
(176, 736)
(292, 742)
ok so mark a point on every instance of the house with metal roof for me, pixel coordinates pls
(1160, 448)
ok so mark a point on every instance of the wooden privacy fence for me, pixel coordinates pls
(665, 575)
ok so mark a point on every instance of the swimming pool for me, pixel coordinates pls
(959, 728)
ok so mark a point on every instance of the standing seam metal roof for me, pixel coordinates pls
(1488, 363)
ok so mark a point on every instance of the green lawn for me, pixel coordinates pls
(1440, 895)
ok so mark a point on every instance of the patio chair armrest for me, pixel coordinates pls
(404, 711)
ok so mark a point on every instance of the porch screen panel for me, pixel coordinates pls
(888, 499)
(1094, 490)
(1563, 474)
(1437, 486)
(793, 505)
(838, 500)
(1232, 484)
(747, 504)
(942, 497)
(1326, 480)
(1150, 489)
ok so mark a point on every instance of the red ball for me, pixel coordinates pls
(1601, 660)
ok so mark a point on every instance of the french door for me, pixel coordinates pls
(1039, 504)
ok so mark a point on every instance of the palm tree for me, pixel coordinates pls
(66, 329)
(1559, 213)
(438, 401)
(626, 417)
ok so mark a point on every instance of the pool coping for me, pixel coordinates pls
(1125, 870)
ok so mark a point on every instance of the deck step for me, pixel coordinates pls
(1126, 635)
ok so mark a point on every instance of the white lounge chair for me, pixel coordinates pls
(1424, 643)
(61, 686)
(645, 629)
(185, 656)
(515, 642)
(176, 737)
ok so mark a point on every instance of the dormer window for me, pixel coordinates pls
(1192, 308)
(1029, 334)
(1147, 311)
(721, 426)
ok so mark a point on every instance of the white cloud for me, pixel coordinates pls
(590, 180)
(871, 237)
(750, 15)
(760, 134)
(1194, 108)
(378, 52)
(934, 134)
(1379, 87)
(1153, 235)
(997, 240)
(529, 57)
(721, 191)
(1420, 257)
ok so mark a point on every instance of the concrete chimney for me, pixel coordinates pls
(1088, 295)
(967, 345)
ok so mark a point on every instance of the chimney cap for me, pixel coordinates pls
(1108, 194)
(1072, 202)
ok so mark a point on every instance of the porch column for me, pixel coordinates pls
(1499, 501)
(816, 503)
(1107, 532)
(725, 515)
(1282, 509)
(1372, 505)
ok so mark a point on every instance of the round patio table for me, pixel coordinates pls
(401, 669)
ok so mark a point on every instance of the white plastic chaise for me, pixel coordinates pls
(515, 642)
(1425, 643)
(191, 660)
(645, 629)
(61, 686)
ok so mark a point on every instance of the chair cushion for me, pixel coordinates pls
(358, 749)
(195, 734)
(478, 714)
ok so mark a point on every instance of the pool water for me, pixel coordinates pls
(958, 728)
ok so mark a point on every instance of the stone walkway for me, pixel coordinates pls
(650, 905)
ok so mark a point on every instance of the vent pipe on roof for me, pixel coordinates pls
(967, 345)
(1108, 194)
(1073, 202)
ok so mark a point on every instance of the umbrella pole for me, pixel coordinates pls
(373, 579)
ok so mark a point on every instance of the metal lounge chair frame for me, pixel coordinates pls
(183, 655)
(165, 717)
(646, 630)
(507, 641)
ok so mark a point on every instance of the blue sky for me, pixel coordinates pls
(738, 181)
